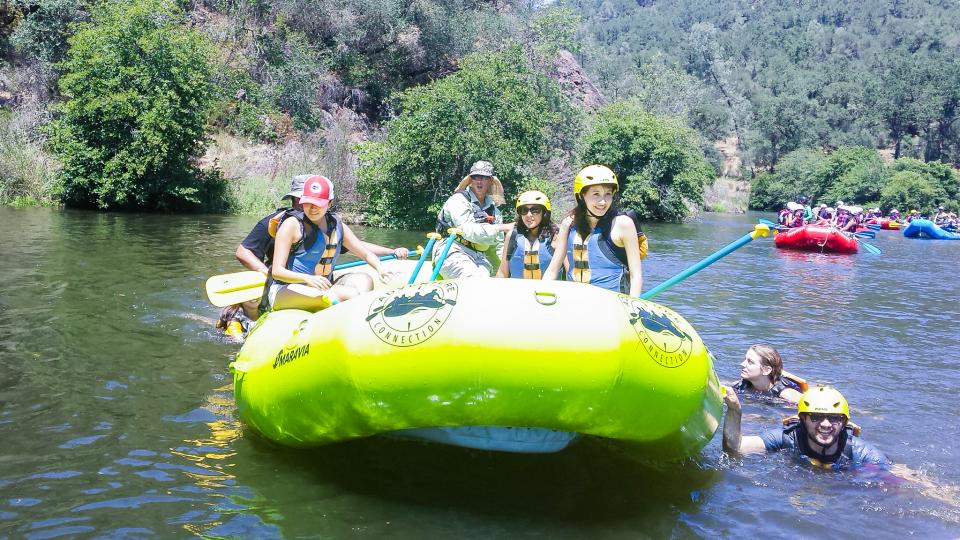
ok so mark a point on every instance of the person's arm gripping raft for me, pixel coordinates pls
(560, 253)
(503, 271)
(733, 441)
(625, 232)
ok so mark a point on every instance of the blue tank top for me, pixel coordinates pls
(526, 262)
(322, 255)
(589, 264)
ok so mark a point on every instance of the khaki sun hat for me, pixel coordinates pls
(484, 168)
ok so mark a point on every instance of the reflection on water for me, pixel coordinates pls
(117, 415)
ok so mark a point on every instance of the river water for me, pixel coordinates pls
(117, 416)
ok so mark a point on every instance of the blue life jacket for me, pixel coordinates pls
(525, 262)
(319, 256)
(592, 261)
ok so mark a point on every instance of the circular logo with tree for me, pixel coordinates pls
(662, 333)
(409, 316)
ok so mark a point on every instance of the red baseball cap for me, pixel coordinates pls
(317, 190)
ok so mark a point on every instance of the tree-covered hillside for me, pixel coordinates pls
(114, 103)
(786, 74)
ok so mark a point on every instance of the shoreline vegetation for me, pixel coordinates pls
(153, 106)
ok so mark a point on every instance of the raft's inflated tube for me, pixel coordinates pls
(816, 238)
(924, 228)
(481, 352)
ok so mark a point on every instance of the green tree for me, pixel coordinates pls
(43, 32)
(909, 98)
(658, 161)
(799, 173)
(941, 175)
(854, 175)
(495, 108)
(137, 87)
(781, 124)
(910, 190)
(555, 28)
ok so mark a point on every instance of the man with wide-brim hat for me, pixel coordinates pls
(473, 209)
(255, 251)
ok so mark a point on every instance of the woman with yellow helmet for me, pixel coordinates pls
(529, 247)
(599, 244)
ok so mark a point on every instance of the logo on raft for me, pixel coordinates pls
(287, 356)
(410, 316)
(660, 332)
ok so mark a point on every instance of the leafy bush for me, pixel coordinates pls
(244, 110)
(939, 174)
(555, 28)
(494, 108)
(658, 161)
(137, 89)
(42, 34)
(910, 190)
(291, 74)
(854, 175)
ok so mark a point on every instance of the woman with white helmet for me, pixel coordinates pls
(529, 247)
(600, 245)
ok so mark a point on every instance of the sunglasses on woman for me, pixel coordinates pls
(535, 210)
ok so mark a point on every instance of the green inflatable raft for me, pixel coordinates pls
(504, 364)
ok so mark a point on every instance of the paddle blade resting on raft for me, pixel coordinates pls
(758, 230)
(228, 289)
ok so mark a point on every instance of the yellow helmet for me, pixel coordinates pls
(594, 175)
(823, 400)
(533, 197)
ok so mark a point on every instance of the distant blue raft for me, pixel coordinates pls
(924, 228)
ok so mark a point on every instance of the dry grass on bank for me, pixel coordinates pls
(727, 195)
(260, 174)
(27, 171)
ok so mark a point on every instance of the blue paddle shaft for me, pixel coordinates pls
(423, 257)
(443, 256)
(354, 264)
(361, 262)
(723, 252)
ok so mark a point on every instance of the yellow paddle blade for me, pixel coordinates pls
(228, 289)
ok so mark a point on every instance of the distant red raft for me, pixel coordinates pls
(885, 223)
(815, 238)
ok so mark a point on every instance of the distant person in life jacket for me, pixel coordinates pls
(761, 372)
(823, 212)
(306, 249)
(820, 434)
(255, 252)
(473, 209)
(846, 221)
(601, 245)
(529, 247)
